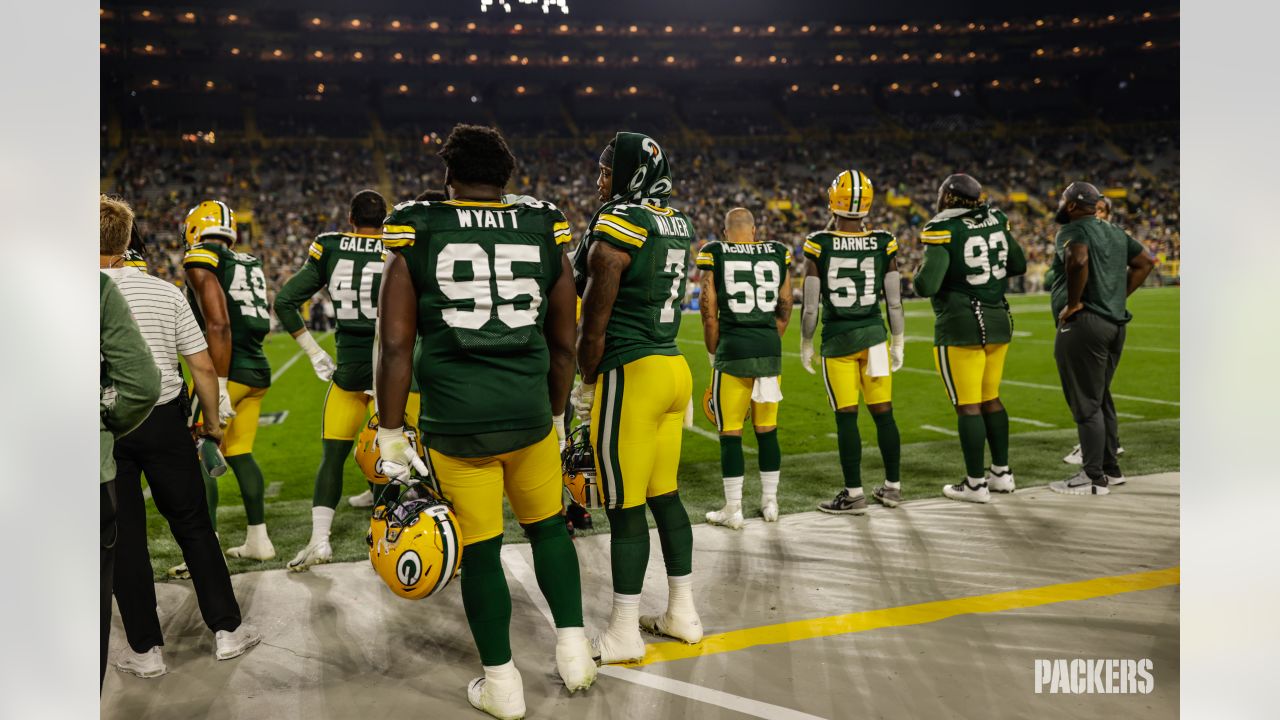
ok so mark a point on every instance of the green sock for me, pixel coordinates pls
(555, 562)
(675, 534)
(890, 444)
(973, 441)
(487, 600)
(628, 549)
(998, 436)
(329, 476)
(731, 462)
(850, 443)
(211, 496)
(252, 487)
(770, 452)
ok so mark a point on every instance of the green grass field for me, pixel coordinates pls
(1146, 390)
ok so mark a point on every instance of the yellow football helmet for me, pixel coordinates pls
(579, 469)
(366, 451)
(850, 194)
(414, 543)
(210, 219)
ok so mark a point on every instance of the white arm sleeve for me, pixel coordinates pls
(809, 314)
(893, 299)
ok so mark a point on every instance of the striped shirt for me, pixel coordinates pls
(166, 322)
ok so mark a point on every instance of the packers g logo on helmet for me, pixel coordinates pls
(209, 219)
(579, 469)
(414, 543)
(366, 451)
(850, 194)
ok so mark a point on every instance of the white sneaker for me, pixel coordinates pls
(967, 492)
(500, 692)
(148, 664)
(1080, 484)
(363, 500)
(1075, 457)
(573, 659)
(1000, 482)
(317, 553)
(769, 509)
(727, 517)
(236, 642)
(682, 625)
(618, 645)
(179, 572)
(257, 546)
(1114, 480)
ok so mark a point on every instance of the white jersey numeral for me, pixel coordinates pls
(842, 289)
(676, 259)
(353, 298)
(988, 256)
(743, 296)
(249, 290)
(488, 275)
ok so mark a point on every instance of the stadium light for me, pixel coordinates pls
(599, 58)
(519, 89)
(905, 27)
(235, 51)
(524, 61)
(435, 57)
(404, 89)
(320, 88)
(838, 28)
(737, 58)
(518, 27)
(515, 58)
(937, 56)
(449, 89)
(633, 28)
(874, 57)
(670, 59)
(995, 83)
(102, 46)
(906, 56)
(277, 52)
(771, 29)
(1036, 81)
(599, 28)
(1075, 21)
(632, 89)
(635, 58)
(148, 48)
(471, 57)
(564, 58)
(208, 84)
(804, 28)
(934, 84)
(398, 56)
(795, 88)
(1111, 18)
(318, 54)
(232, 18)
(773, 58)
(1148, 44)
(839, 58)
(737, 28)
(1039, 52)
(668, 29)
(894, 87)
(589, 90)
(315, 21)
(937, 27)
(564, 28)
(358, 55)
(1146, 15)
(189, 16)
(1039, 23)
(835, 87)
(471, 26)
(870, 28)
(1075, 50)
(155, 83)
(146, 13)
(395, 24)
(355, 22)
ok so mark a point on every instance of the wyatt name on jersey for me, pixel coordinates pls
(504, 219)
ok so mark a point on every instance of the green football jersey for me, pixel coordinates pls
(748, 279)
(969, 306)
(482, 272)
(350, 266)
(851, 269)
(245, 287)
(646, 314)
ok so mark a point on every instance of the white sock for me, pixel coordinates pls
(733, 493)
(504, 672)
(680, 593)
(626, 612)
(893, 485)
(854, 493)
(977, 482)
(769, 483)
(256, 534)
(570, 635)
(321, 521)
(999, 469)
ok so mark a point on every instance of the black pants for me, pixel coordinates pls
(1087, 348)
(108, 551)
(163, 449)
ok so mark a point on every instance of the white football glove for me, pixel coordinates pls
(398, 456)
(320, 360)
(806, 355)
(557, 422)
(711, 360)
(225, 411)
(896, 344)
(583, 396)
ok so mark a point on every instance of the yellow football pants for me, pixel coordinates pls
(971, 374)
(242, 430)
(846, 375)
(637, 423)
(530, 476)
(345, 413)
(731, 399)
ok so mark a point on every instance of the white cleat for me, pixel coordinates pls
(1000, 482)
(769, 509)
(317, 553)
(965, 492)
(726, 517)
(1076, 457)
(234, 643)
(685, 625)
(498, 694)
(363, 500)
(179, 572)
(618, 646)
(257, 546)
(1080, 484)
(574, 662)
(148, 664)
(1115, 480)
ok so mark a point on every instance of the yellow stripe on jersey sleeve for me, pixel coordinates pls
(618, 234)
(935, 237)
(706, 260)
(203, 257)
(561, 233)
(812, 248)
(316, 250)
(892, 247)
(398, 236)
(625, 224)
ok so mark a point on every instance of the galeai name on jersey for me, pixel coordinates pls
(854, 243)
(504, 219)
(676, 226)
(360, 244)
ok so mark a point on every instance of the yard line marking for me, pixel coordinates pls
(716, 438)
(524, 575)
(1037, 423)
(1131, 416)
(942, 430)
(908, 615)
(273, 489)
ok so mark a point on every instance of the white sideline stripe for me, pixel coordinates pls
(1130, 416)
(273, 489)
(942, 430)
(716, 438)
(1037, 423)
(523, 574)
(1004, 381)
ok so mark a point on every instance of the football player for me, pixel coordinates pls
(228, 291)
(745, 305)
(968, 260)
(487, 288)
(349, 265)
(636, 384)
(850, 267)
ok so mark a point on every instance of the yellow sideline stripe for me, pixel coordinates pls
(906, 615)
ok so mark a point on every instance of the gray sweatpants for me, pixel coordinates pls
(1087, 349)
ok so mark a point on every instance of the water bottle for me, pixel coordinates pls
(211, 457)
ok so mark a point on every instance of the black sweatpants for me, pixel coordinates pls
(163, 449)
(1087, 348)
(107, 546)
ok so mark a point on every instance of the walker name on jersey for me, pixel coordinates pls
(360, 245)
(855, 243)
(673, 226)
(1087, 676)
(471, 217)
(747, 248)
